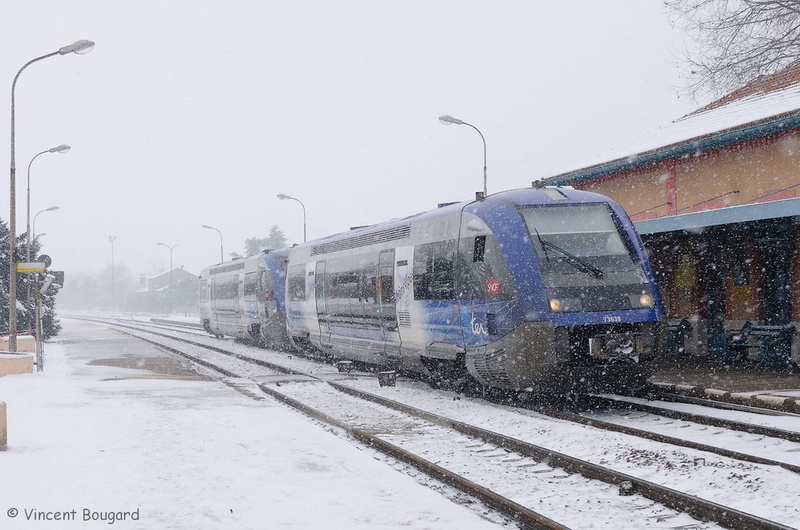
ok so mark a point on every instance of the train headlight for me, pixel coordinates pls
(641, 300)
(563, 305)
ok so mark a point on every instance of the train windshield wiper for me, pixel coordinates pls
(570, 258)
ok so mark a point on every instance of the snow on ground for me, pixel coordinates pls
(108, 443)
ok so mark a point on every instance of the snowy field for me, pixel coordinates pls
(139, 452)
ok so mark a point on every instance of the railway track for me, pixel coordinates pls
(504, 451)
(751, 421)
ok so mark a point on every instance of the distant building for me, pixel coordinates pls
(169, 292)
(714, 196)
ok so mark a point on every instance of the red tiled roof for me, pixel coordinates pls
(762, 84)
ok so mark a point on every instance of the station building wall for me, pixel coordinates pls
(727, 273)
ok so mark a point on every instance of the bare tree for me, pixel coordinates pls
(731, 42)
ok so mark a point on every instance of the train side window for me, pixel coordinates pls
(296, 283)
(203, 290)
(226, 288)
(479, 249)
(433, 271)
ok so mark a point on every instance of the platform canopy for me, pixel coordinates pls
(721, 216)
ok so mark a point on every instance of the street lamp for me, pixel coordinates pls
(51, 209)
(111, 240)
(221, 259)
(284, 196)
(449, 120)
(171, 248)
(79, 47)
(60, 149)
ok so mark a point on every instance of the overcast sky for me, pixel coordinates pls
(200, 112)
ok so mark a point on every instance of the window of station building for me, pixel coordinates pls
(433, 270)
(296, 283)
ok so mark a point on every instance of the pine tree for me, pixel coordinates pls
(274, 241)
(26, 310)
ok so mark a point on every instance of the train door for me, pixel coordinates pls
(404, 294)
(320, 294)
(387, 305)
(241, 313)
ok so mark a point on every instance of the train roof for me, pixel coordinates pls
(242, 263)
(515, 197)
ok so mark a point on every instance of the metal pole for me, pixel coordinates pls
(284, 196)
(81, 46)
(171, 295)
(111, 240)
(447, 120)
(484, 155)
(12, 221)
(39, 332)
(221, 258)
(304, 220)
(59, 149)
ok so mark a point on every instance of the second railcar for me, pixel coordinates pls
(245, 299)
(536, 289)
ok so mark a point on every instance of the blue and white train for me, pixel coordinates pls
(245, 299)
(537, 288)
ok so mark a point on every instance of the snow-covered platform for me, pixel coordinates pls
(167, 450)
(777, 388)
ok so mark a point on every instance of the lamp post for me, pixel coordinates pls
(449, 120)
(51, 209)
(284, 196)
(221, 259)
(171, 248)
(59, 149)
(111, 240)
(79, 47)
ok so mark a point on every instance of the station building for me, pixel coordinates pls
(714, 196)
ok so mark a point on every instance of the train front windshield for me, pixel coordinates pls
(586, 262)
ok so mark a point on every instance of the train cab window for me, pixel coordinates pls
(296, 283)
(264, 286)
(250, 284)
(482, 270)
(203, 290)
(433, 271)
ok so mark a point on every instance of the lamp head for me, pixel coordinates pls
(52, 209)
(283, 196)
(80, 47)
(205, 226)
(448, 120)
(60, 149)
